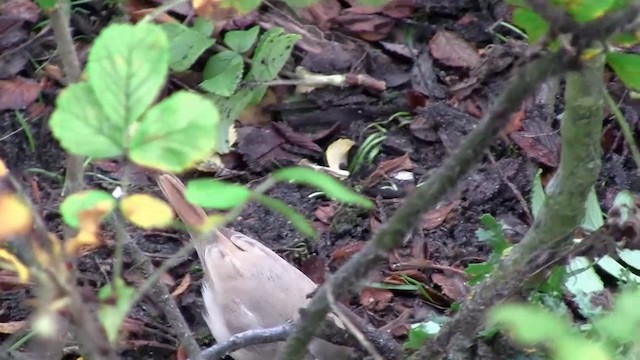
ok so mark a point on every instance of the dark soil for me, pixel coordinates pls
(497, 186)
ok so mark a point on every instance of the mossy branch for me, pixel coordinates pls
(560, 214)
(348, 277)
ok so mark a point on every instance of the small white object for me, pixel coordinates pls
(117, 192)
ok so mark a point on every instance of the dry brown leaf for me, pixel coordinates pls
(182, 287)
(453, 286)
(437, 216)
(387, 168)
(314, 267)
(257, 114)
(20, 10)
(12, 327)
(375, 299)
(18, 93)
(347, 251)
(452, 50)
(321, 13)
(325, 213)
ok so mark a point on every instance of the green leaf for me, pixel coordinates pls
(298, 221)
(272, 52)
(73, 205)
(584, 279)
(623, 322)
(46, 4)
(478, 272)
(222, 73)
(330, 186)
(176, 133)
(216, 194)
(304, 3)
(627, 67)
(493, 234)
(229, 108)
(241, 40)
(243, 6)
(528, 324)
(82, 128)
(187, 44)
(594, 217)
(203, 26)
(532, 24)
(419, 333)
(587, 10)
(116, 301)
(630, 257)
(537, 194)
(127, 66)
(574, 347)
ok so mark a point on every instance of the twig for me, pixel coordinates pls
(159, 293)
(624, 127)
(247, 338)
(514, 189)
(71, 65)
(353, 329)
(444, 180)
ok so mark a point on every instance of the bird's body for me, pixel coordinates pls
(246, 286)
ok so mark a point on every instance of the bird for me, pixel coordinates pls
(246, 285)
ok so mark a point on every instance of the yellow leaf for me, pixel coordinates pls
(3, 169)
(337, 153)
(15, 216)
(44, 257)
(146, 211)
(84, 240)
(11, 262)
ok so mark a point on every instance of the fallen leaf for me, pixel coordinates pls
(182, 287)
(314, 267)
(367, 27)
(347, 251)
(375, 299)
(453, 286)
(337, 153)
(258, 114)
(15, 216)
(412, 273)
(301, 140)
(436, 217)
(20, 9)
(18, 93)
(387, 168)
(325, 213)
(452, 50)
(12, 327)
(321, 13)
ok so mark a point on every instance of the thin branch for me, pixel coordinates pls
(247, 338)
(71, 65)
(353, 329)
(159, 293)
(348, 277)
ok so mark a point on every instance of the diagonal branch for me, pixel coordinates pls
(423, 198)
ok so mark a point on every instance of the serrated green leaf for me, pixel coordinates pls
(330, 186)
(229, 108)
(73, 205)
(493, 235)
(127, 66)
(621, 324)
(297, 220)
(222, 73)
(419, 333)
(271, 54)
(528, 324)
(216, 194)
(574, 347)
(82, 128)
(187, 44)
(241, 40)
(627, 67)
(176, 133)
(533, 25)
(478, 272)
(203, 26)
(116, 301)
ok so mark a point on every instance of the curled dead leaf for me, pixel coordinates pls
(437, 216)
(375, 299)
